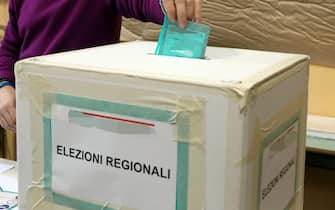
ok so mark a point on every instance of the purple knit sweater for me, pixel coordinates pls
(39, 27)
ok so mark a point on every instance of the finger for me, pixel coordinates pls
(12, 116)
(181, 12)
(8, 118)
(13, 129)
(3, 122)
(190, 9)
(197, 10)
(170, 8)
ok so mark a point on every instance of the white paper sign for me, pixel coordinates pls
(8, 200)
(279, 170)
(5, 167)
(124, 161)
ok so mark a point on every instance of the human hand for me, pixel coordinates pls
(7, 108)
(183, 10)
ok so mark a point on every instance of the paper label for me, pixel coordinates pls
(121, 160)
(8, 200)
(278, 169)
(5, 167)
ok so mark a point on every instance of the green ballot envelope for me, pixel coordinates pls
(190, 42)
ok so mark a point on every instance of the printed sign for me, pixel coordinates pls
(122, 160)
(278, 169)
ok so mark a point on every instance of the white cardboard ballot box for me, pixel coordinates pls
(118, 128)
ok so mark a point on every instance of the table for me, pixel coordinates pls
(321, 135)
(8, 178)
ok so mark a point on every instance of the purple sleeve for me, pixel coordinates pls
(144, 10)
(10, 46)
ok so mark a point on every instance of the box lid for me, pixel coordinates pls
(236, 70)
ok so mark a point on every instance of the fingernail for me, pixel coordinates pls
(182, 24)
(172, 19)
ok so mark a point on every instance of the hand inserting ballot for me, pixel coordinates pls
(183, 10)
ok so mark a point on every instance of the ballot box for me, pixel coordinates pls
(119, 128)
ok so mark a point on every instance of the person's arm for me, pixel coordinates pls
(144, 10)
(9, 54)
(153, 10)
(10, 46)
